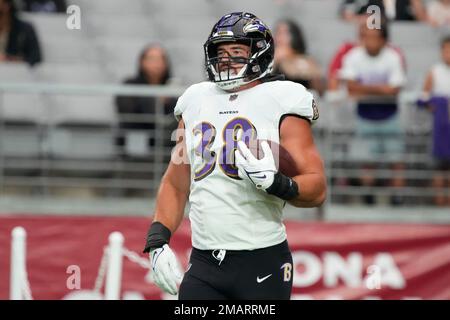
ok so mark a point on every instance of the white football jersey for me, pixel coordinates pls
(225, 211)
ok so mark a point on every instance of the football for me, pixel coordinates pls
(283, 160)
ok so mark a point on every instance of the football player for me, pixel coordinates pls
(240, 248)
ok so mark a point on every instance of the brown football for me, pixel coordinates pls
(283, 160)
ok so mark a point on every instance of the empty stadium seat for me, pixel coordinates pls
(412, 34)
(81, 73)
(16, 72)
(195, 30)
(50, 24)
(111, 7)
(188, 61)
(319, 9)
(20, 114)
(324, 37)
(22, 107)
(77, 108)
(80, 118)
(20, 140)
(82, 127)
(121, 55)
(68, 50)
(81, 142)
(175, 9)
(102, 25)
(419, 62)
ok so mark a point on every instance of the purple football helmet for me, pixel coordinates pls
(244, 28)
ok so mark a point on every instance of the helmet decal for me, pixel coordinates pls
(255, 26)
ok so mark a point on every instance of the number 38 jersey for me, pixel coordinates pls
(225, 211)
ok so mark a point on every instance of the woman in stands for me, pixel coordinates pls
(18, 40)
(153, 69)
(291, 58)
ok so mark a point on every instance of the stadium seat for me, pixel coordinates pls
(319, 9)
(419, 62)
(50, 24)
(121, 55)
(412, 34)
(111, 7)
(320, 45)
(102, 25)
(186, 29)
(182, 9)
(20, 114)
(68, 50)
(79, 108)
(21, 117)
(81, 73)
(77, 118)
(22, 107)
(97, 109)
(20, 140)
(81, 142)
(188, 62)
(16, 72)
(82, 127)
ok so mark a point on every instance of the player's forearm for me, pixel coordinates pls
(170, 204)
(312, 190)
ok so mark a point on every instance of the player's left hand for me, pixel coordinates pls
(166, 270)
(260, 172)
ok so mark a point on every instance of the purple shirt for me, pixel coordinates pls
(441, 127)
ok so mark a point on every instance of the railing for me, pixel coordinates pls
(132, 171)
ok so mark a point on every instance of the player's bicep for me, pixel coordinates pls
(296, 137)
(178, 171)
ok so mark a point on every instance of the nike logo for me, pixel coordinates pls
(252, 174)
(259, 280)
(155, 257)
(259, 177)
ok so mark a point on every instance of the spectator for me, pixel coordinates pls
(18, 40)
(291, 58)
(374, 75)
(336, 62)
(45, 6)
(437, 82)
(391, 9)
(437, 86)
(438, 13)
(153, 69)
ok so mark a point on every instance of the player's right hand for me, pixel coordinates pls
(166, 270)
(260, 172)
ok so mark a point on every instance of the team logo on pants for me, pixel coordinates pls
(287, 272)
